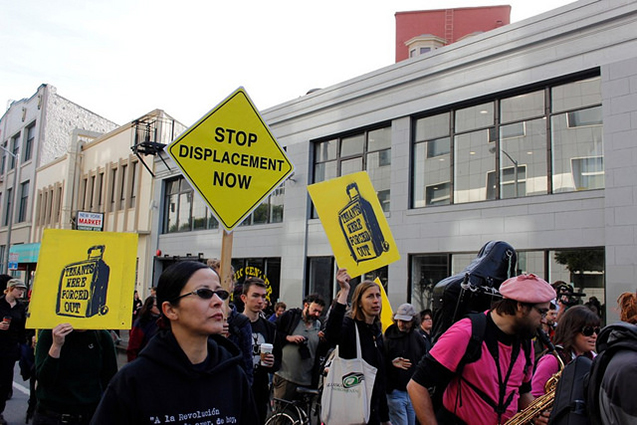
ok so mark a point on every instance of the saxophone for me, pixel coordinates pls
(545, 401)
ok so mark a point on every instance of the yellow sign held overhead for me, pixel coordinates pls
(231, 159)
(354, 223)
(84, 278)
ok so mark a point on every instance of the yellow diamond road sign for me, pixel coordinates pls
(231, 159)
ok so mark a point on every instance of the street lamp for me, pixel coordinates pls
(16, 170)
(515, 168)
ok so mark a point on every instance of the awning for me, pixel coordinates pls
(27, 252)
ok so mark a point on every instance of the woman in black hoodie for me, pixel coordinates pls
(188, 373)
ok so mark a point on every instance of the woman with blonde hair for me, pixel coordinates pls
(364, 316)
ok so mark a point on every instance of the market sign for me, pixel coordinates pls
(231, 159)
(90, 221)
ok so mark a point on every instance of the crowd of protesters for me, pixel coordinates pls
(194, 359)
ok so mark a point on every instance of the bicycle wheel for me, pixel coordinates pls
(281, 418)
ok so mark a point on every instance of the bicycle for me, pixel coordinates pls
(295, 412)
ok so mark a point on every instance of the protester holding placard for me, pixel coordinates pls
(188, 373)
(73, 367)
(364, 317)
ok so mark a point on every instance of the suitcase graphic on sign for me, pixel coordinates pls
(360, 227)
(83, 286)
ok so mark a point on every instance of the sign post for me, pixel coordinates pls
(232, 160)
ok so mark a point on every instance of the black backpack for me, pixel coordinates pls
(475, 288)
(569, 405)
(613, 338)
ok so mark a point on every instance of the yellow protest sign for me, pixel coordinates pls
(354, 223)
(231, 159)
(386, 312)
(84, 278)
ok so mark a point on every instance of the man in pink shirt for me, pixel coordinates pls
(493, 388)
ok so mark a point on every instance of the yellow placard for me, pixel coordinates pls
(386, 312)
(84, 278)
(354, 223)
(231, 159)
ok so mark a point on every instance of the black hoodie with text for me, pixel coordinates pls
(163, 387)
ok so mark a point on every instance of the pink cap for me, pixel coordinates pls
(527, 288)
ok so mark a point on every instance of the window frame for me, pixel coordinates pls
(516, 128)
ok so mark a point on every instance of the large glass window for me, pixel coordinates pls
(15, 145)
(268, 211)
(9, 205)
(320, 277)
(122, 187)
(368, 150)
(133, 186)
(581, 268)
(24, 201)
(576, 136)
(432, 151)
(183, 210)
(511, 147)
(27, 152)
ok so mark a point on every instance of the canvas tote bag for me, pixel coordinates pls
(347, 389)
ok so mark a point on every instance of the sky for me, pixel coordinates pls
(124, 58)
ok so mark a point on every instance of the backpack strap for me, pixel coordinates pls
(473, 354)
(473, 351)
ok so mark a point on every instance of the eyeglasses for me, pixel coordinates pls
(589, 330)
(542, 311)
(206, 294)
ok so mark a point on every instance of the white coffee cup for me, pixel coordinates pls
(266, 348)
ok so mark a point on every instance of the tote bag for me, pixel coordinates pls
(347, 389)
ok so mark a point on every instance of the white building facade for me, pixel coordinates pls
(34, 131)
(526, 134)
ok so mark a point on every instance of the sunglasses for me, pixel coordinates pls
(206, 294)
(590, 330)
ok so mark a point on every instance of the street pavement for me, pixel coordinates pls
(15, 412)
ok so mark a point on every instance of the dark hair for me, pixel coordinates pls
(357, 311)
(425, 312)
(250, 282)
(571, 324)
(505, 306)
(314, 298)
(279, 305)
(174, 278)
(145, 313)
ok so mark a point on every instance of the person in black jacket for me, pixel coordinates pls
(263, 331)
(404, 347)
(365, 315)
(12, 334)
(187, 373)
